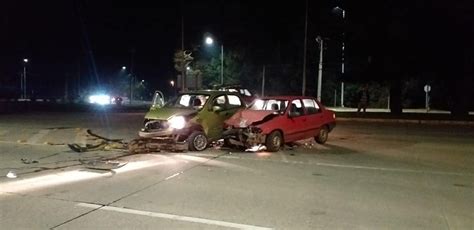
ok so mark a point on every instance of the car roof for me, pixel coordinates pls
(286, 97)
(209, 91)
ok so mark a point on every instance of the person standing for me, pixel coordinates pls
(363, 98)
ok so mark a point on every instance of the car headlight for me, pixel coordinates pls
(177, 122)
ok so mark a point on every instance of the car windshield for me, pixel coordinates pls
(191, 101)
(269, 104)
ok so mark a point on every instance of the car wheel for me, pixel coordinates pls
(322, 135)
(197, 141)
(274, 141)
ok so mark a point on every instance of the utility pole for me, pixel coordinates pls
(320, 69)
(304, 51)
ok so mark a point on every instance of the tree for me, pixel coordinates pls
(237, 69)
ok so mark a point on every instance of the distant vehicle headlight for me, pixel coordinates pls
(100, 99)
(177, 122)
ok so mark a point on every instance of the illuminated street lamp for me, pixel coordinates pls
(210, 41)
(172, 83)
(131, 82)
(23, 80)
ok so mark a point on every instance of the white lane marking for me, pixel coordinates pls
(392, 169)
(173, 217)
(362, 167)
(35, 138)
(174, 175)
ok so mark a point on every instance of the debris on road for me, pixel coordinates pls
(89, 132)
(28, 161)
(103, 164)
(256, 148)
(104, 143)
(11, 174)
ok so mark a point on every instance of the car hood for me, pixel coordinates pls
(165, 113)
(246, 117)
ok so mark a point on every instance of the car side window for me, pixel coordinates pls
(234, 101)
(247, 93)
(296, 107)
(311, 106)
(219, 101)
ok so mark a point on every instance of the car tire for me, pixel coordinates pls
(197, 141)
(274, 141)
(323, 135)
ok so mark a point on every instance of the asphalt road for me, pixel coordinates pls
(367, 176)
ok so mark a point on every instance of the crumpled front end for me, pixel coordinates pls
(157, 134)
(248, 136)
(244, 126)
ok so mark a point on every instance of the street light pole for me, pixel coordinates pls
(209, 41)
(304, 50)
(342, 60)
(320, 69)
(24, 77)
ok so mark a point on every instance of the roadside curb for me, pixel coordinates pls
(407, 121)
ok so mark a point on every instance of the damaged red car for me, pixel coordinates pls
(274, 121)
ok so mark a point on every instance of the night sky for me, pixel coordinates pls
(63, 37)
(70, 38)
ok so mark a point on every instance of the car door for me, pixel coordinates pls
(314, 117)
(223, 106)
(295, 123)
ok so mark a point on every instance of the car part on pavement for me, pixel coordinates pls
(103, 164)
(104, 144)
(11, 174)
(28, 161)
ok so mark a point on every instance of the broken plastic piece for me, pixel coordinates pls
(28, 161)
(256, 148)
(103, 165)
(11, 174)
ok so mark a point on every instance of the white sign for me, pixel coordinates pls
(427, 88)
